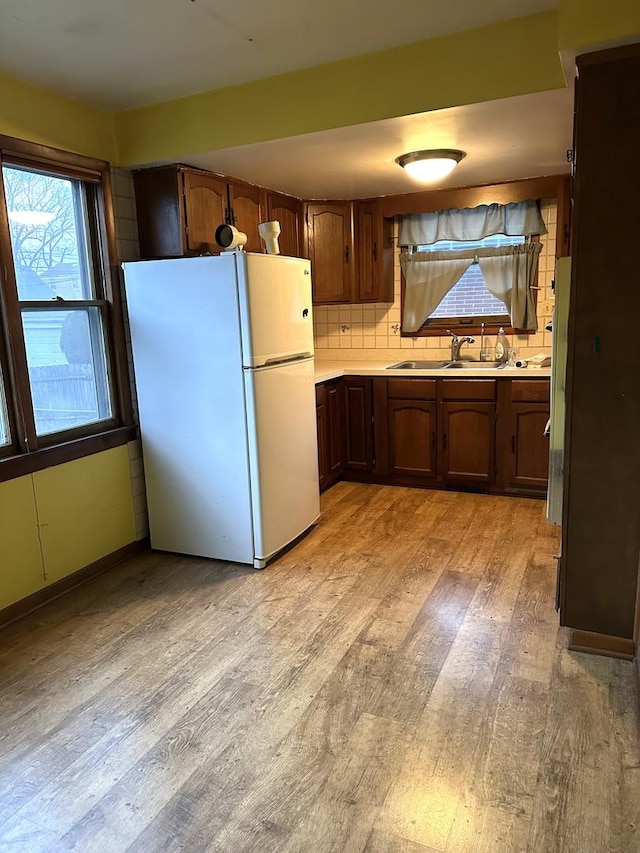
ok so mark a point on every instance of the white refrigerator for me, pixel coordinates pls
(223, 362)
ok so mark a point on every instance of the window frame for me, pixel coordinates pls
(466, 325)
(557, 187)
(28, 452)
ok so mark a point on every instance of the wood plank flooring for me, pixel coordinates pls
(396, 683)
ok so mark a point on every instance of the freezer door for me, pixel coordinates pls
(275, 307)
(283, 454)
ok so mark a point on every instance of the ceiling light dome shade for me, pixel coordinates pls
(430, 165)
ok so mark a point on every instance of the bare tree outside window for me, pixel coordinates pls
(48, 235)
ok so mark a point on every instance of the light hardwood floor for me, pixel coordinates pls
(397, 683)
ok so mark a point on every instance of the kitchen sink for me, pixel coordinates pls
(418, 365)
(471, 365)
(443, 365)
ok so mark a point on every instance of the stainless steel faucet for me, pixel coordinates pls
(457, 342)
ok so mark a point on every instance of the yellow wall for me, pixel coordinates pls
(465, 67)
(21, 565)
(588, 24)
(32, 113)
(507, 58)
(59, 520)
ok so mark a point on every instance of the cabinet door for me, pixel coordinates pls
(329, 248)
(358, 424)
(412, 437)
(321, 424)
(335, 419)
(467, 436)
(373, 252)
(528, 451)
(288, 212)
(160, 212)
(205, 199)
(246, 211)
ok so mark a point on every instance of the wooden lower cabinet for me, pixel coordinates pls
(467, 440)
(329, 419)
(522, 447)
(528, 451)
(439, 433)
(358, 420)
(412, 436)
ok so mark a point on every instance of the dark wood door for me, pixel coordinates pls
(205, 200)
(330, 250)
(467, 440)
(247, 209)
(335, 420)
(601, 508)
(288, 212)
(412, 437)
(358, 433)
(528, 451)
(373, 253)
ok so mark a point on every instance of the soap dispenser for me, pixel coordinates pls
(502, 344)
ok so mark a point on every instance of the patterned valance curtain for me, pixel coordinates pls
(509, 273)
(518, 219)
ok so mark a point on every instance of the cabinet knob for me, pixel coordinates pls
(346, 254)
(375, 251)
(433, 440)
(444, 441)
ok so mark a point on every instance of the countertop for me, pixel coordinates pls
(326, 370)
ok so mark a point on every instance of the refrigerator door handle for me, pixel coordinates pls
(299, 356)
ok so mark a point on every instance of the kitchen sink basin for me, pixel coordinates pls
(418, 365)
(471, 365)
(443, 365)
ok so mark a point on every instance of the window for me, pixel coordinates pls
(470, 300)
(5, 433)
(62, 374)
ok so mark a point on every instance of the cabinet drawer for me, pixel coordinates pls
(412, 389)
(321, 395)
(530, 390)
(468, 389)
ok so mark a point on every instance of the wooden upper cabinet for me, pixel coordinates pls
(160, 212)
(288, 212)
(205, 202)
(247, 209)
(178, 211)
(330, 250)
(373, 247)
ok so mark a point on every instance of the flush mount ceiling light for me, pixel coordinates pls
(430, 165)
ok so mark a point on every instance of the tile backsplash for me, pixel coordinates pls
(362, 332)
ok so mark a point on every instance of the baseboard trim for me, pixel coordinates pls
(602, 644)
(55, 590)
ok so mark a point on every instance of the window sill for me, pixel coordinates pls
(464, 329)
(28, 463)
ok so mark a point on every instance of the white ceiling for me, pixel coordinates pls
(512, 138)
(125, 53)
